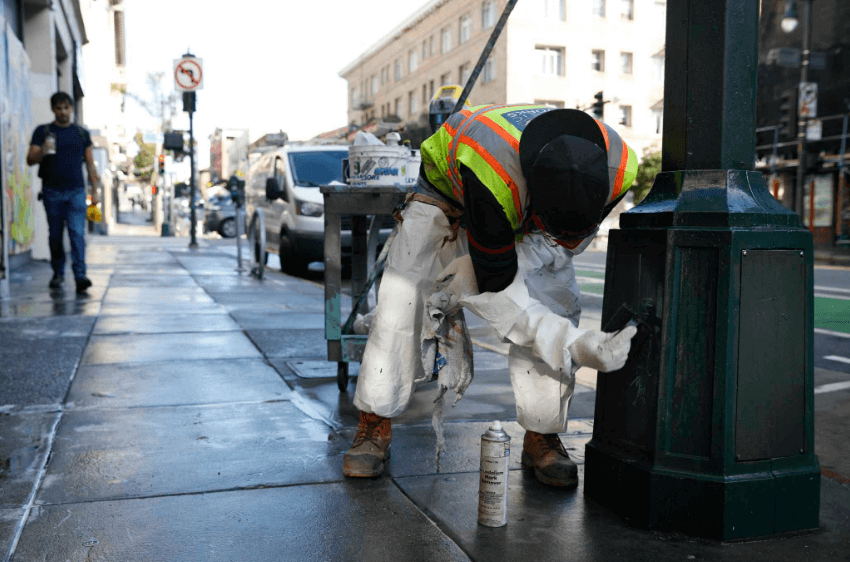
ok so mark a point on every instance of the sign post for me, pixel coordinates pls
(189, 78)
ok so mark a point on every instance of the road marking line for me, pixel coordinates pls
(834, 297)
(831, 289)
(837, 358)
(832, 387)
(831, 333)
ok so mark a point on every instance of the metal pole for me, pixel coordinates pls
(4, 233)
(482, 60)
(238, 219)
(773, 179)
(840, 203)
(802, 121)
(194, 219)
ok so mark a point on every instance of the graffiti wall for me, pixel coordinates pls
(15, 129)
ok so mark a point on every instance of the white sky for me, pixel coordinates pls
(268, 64)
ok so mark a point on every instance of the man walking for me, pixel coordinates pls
(529, 185)
(61, 147)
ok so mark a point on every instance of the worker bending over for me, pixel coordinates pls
(506, 196)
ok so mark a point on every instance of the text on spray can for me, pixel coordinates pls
(493, 486)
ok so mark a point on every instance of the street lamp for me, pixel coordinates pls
(789, 24)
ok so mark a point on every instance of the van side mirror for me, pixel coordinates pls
(273, 190)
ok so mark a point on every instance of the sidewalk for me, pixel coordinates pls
(185, 412)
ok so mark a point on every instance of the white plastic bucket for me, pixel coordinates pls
(373, 165)
(412, 171)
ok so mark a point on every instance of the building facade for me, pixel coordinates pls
(228, 153)
(106, 79)
(556, 52)
(824, 203)
(40, 53)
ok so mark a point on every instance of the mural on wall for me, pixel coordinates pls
(16, 127)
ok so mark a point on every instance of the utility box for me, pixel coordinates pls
(709, 429)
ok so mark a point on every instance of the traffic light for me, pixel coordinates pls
(161, 164)
(598, 105)
(788, 113)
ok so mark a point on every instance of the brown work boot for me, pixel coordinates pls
(371, 447)
(549, 459)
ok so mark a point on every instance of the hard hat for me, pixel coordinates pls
(443, 104)
(573, 181)
(93, 213)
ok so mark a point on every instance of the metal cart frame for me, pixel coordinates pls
(359, 202)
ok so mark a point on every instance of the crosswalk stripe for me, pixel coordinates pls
(831, 333)
(837, 358)
(832, 387)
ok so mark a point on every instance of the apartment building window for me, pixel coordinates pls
(445, 79)
(425, 95)
(397, 70)
(658, 119)
(625, 115)
(488, 73)
(599, 8)
(431, 46)
(465, 28)
(626, 60)
(383, 76)
(398, 107)
(627, 9)
(353, 96)
(488, 14)
(424, 49)
(555, 9)
(658, 69)
(412, 103)
(412, 61)
(551, 60)
(430, 89)
(374, 84)
(446, 40)
(597, 60)
(464, 72)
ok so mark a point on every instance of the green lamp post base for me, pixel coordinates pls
(708, 429)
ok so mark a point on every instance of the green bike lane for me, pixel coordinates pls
(831, 312)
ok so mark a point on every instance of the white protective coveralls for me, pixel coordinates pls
(537, 314)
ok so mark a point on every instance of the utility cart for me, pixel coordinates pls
(360, 203)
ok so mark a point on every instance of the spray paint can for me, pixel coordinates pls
(493, 486)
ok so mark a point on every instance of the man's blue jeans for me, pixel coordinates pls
(66, 207)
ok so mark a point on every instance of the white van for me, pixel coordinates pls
(284, 182)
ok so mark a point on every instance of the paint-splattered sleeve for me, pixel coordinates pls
(491, 239)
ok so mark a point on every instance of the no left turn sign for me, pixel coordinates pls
(188, 74)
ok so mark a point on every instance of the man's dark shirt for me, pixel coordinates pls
(64, 170)
(491, 239)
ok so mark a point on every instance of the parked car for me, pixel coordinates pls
(284, 182)
(220, 215)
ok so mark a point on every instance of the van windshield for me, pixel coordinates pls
(313, 169)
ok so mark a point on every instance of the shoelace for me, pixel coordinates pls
(366, 433)
(555, 442)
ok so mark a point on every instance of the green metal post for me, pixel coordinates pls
(708, 429)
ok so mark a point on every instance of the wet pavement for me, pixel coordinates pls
(183, 411)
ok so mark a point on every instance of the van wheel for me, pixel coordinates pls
(289, 261)
(228, 228)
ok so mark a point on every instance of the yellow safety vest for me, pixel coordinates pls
(486, 140)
